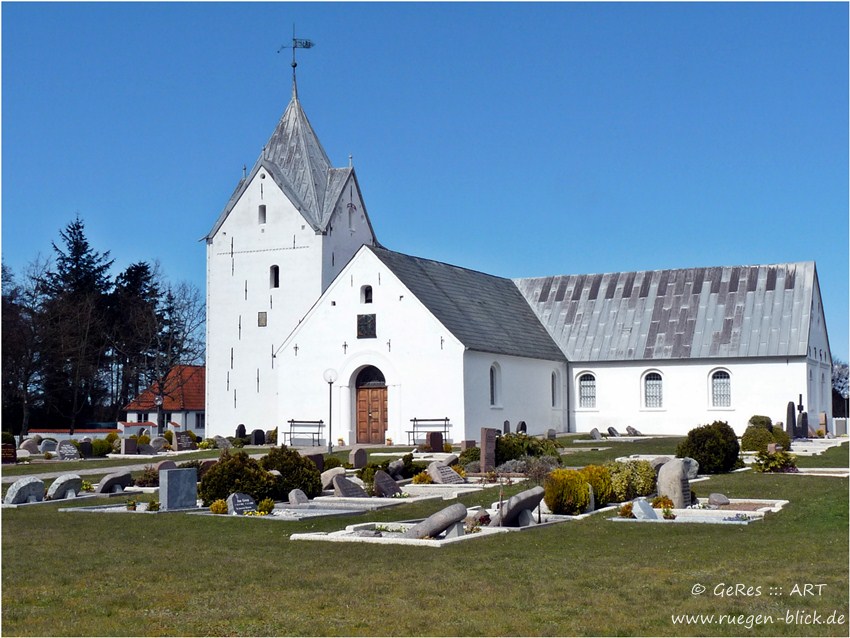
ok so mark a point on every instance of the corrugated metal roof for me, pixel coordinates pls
(484, 312)
(740, 311)
(296, 161)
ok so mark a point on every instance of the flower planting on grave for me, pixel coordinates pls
(265, 506)
(780, 461)
(715, 447)
(631, 479)
(625, 510)
(422, 478)
(296, 472)
(660, 502)
(219, 506)
(566, 492)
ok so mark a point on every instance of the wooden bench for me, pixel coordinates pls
(423, 426)
(313, 429)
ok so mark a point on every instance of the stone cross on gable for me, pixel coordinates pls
(296, 349)
(344, 347)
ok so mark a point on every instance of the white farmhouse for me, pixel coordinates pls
(298, 285)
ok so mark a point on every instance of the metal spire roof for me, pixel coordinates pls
(296, 161)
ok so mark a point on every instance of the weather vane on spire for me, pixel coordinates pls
(297, 43)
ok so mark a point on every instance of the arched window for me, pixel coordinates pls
(556, 399)
(495, 385)
(261, 214)
(274, 277)
(366, 294)
(653, 396)
(721, 389)
(587, 391)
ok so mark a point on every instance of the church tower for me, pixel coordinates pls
(288, 229)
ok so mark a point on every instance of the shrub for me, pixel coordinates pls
(422, 478)
(238, 473)
(537, 468)
(219, 506)
(153, 506)
(457, 468)
(271, 437)
(143, 440)
(565, 492)
(48, 456)
(168, 435)
(516, 445)
(265, 506)
(87, 486)
(236, 441)
(410, 469)
(148, 478)
(367, 474)
(332, 462)
(756, 438)
(661, 502)
(625, 510)
(600, 480)
(112, 437)
(192, 436)
(715, 447)
(631, 479)
(780, 437)
(296, 472)
(8, 438)
(101, 447)
(761, 422)
(447, 447)
(514, 466)
(776, 462)
(469, 455)
(206, 444)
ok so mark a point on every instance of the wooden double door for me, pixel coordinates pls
(371, 414)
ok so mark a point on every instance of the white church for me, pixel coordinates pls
(310, 318)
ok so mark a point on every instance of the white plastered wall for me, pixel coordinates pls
(758, 386)
(421, 361)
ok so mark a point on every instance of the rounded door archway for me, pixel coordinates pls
(371, 401)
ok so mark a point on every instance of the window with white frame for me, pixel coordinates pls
(721, 389)
(653, 396)
(587, 391)
(495, 385)
(556, 389)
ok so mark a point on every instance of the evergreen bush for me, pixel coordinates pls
(600, 480)
(565, 492)
(296, 472)
(756, 438)
(631, 479)
(8, 438)
(101, 447)
(469, 455)
(238, 473)
(168, 435)
(715, 447)
(761, 422)
(517, 444)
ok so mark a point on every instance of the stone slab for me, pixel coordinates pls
(29, 489)
(67, 451)
(65, 486)
(443, 474)
(115, 482)
(347, 489)
(385, 486)
(239, 503)
(178, 489)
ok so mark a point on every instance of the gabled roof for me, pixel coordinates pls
(184, 391)
(298, 164)
(484, 312)
(741, 311)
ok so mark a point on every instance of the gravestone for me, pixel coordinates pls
(443, 474)
(205, 466)
(328, 477)
(183, 441)
(692, 466)
(239, 503)
(145, 449)
(466, 445)
(178, 489)
(221, 443)
(298, 497)
(165, 465)
(438, 522)
(10, 454)
(658, 461)
(717, 499)
(791, 420)
(65, 486)
(26, 490)
(488, 449)
(591, 504)
(22, 454)
(47, 445)
(613, 432)
(128, 446)
(395, 469)
(348, 489)
(803, 426)
(643, 511)
(451, 459)
(506, 427)
(158, 443)
(385, 486)
(318, 460)
(30, 446)
(509, 513)
(632, 431)
(114, 483)
(240, 431)
(86, 449)
(258, 437)
(551, 434)
(67, 451)
(434, 441)
(595, 435)
(673, 483)
(357, 458)
(521, 427)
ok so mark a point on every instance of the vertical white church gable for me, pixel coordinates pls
(348, 229)
(818, 397)
(421, 362)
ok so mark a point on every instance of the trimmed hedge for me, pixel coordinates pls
(296, 472)
(565, 492)
(715, 447)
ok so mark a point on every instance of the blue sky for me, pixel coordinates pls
(516, 139)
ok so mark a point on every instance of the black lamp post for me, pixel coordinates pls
(330, 376)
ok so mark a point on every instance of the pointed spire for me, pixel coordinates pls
(297, 43)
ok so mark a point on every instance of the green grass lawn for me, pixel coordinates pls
(173, 574)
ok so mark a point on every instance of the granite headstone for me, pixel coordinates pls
(595, 435)
(357, 458)
(434, 441)
(673, 483)
(347, 489)
(239, 503)
(443, 474)
(65, 486)
(128, 446)
(178, 488)
(25, 490)
(328, 477)
(115, 482)
(298, 497)
(438, 522)
(385, 486)
(488, 449)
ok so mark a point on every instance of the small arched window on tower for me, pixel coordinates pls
(274, 277)
(261, 214)
(366, 294)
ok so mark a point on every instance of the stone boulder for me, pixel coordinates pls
(508, 516)
(347, 489)
(25, 490)
(298, 497)
(328, 477)
(438, 523)
(693, 467)
(385, 486)
(717, 499)
(673, 483)
(595, 435)
(158, 443)
(30, 446)
(47, 445)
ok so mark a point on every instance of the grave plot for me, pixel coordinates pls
(299, 508)
(30, 491)
(178, 492)
(717, 509)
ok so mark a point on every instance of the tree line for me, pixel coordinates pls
(80, 344)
